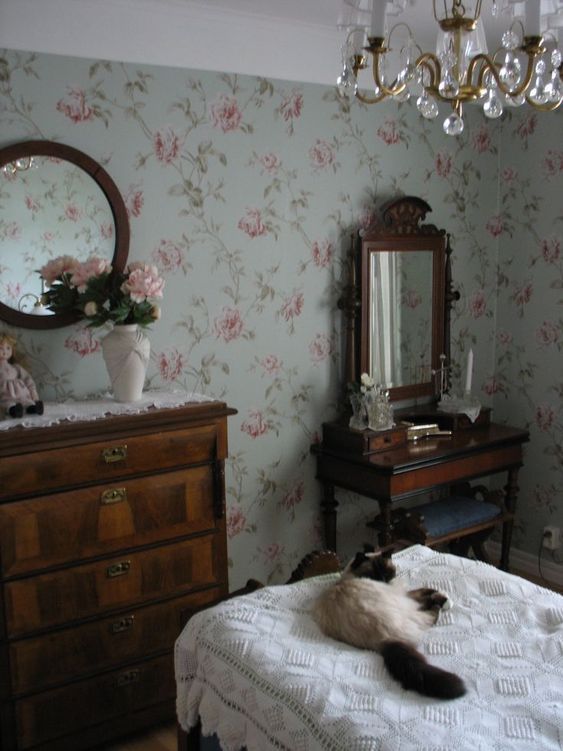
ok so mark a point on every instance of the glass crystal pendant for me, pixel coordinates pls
(427, 106)
(453, 125)
(538, 93)
(493, 106)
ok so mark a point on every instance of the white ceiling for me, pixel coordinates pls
(288, 39)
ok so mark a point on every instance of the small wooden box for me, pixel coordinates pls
(338, 435)
(446, 420)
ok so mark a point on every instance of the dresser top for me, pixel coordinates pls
(102, 423)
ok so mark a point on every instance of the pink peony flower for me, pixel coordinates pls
(12, 231)
(492, 386)
(225, 113)
(75, 106)
(83, 343)
(92, 267)
(291, 105)
(273, 552)
(321, 155)
(389, 133)
(143, 282)
(320, 348)
(271, 365)
(293, 497)
(547, 333)
(509, 175)
(553, 163)
(236, 521)
(443, 164)
(527, 126)
(545, 417)
(73, 212)
(550, 249)
(292, 306)
(170, 365)
(523, 295)
(54, 269)
(167, 144)
(134, 201)
(322, 253)
(254, 425)
(495, 225)
(229, 325)
(252, 223)
(32, 204)
(106, 231)
(412, 298)
(168, 256)
(505, 338)
(270, 162)
(477, 304)
(482, 140)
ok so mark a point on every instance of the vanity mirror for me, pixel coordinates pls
(54, 200)
(399, 316)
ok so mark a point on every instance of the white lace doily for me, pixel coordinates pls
(100, 405)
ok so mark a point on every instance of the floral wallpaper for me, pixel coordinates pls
(244, 192)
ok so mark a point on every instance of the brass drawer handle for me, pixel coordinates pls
(118, 569)
(115, 454)
(124, 624)
(125, 679)
(115, 495)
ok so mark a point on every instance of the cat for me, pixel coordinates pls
(370, 609)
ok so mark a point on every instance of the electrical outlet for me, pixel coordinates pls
(551, 537)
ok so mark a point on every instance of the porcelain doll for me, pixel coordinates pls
(18, 393)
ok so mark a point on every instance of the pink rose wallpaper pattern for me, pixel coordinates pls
(244, 191)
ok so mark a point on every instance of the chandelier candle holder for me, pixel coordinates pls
(527, 69)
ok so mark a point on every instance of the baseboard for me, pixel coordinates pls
(528, 564)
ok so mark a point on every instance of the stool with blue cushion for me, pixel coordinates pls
(462, 519)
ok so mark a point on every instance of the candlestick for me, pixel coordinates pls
(378, 18)
(532, 25)
(469, 372)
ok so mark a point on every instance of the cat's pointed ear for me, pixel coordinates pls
(358, 560)
(368, 548)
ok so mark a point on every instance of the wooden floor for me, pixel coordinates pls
(160, 739)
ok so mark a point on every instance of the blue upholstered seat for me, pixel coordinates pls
(456, 512)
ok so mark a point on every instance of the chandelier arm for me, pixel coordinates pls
(428, 61)
(385, 90)
(370, 99)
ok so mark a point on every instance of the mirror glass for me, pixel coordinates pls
(400, 313)
(401, 324)
(54, 200)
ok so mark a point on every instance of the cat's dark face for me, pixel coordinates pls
(376, 566)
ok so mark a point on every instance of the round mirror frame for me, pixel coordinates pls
(116, 203)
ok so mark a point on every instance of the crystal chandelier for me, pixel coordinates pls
(526, 69)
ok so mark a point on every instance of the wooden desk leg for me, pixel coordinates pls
(511, 488)
(385, 536)
(329, 504)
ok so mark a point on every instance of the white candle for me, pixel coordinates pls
(378, 18)
(532, 25)
(469, 372)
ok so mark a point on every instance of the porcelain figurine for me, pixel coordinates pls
(18, 393)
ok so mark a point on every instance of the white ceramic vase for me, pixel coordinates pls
(126, 352)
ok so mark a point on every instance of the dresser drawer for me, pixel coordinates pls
(38, 602)
(44, 661)
(63, 711)
(99, 520)
(104, 460)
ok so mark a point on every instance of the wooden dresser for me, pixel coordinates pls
(112, 532)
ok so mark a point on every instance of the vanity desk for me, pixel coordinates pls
(397, 307)
(398, 469)
(112, 533)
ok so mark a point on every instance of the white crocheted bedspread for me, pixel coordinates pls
(260, 674)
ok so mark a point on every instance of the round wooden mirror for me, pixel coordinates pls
(54, 200)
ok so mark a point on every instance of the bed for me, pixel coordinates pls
(257, 672)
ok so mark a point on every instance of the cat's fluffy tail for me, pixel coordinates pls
(411, 669)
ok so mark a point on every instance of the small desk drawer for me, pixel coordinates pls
(66, 527)
(44, 661)
(104, 460)
(60, 712)
(78, 592)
